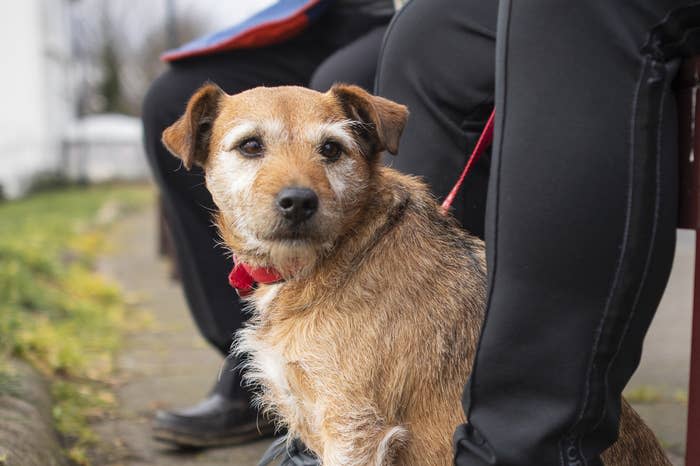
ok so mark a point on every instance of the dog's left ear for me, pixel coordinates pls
(382, 121)
(188, 138)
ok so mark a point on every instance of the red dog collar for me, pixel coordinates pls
(244, 277)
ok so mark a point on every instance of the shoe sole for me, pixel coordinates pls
(185, 440)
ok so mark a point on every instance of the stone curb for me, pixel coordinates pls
(27, 436)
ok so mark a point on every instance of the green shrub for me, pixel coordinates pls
(49, 181)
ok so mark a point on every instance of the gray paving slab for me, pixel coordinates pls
(663, 371)
(166, 365)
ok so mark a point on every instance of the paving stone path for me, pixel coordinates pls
(166, 366)
(170, 365)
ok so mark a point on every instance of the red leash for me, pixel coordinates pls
(482, 144)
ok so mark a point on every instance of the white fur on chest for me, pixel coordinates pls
(267, 365)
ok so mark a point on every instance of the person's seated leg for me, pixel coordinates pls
(354, 64)
(438, 60)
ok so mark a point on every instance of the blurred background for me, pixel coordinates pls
(74, 75)
(87, 300)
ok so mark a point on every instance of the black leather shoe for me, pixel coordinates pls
(224, 418)
(214, 422)
(295, 455)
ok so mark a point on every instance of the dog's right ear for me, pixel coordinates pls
(188, 138)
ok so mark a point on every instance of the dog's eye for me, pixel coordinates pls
(251, 147)
(330, 150)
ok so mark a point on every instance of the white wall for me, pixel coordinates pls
(35, 105)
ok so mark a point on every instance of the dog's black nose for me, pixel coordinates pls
(297, 204)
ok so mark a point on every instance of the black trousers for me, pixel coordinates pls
(580, 224)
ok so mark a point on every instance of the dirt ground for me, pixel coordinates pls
(169, 365)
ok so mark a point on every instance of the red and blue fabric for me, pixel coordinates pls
(273, 25)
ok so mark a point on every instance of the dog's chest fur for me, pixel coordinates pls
(276, 365)
(268, 358)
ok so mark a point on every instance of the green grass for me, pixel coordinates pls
(644, 394)
(56, 311)
(648, 394)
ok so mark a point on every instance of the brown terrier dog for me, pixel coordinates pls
(363, 348)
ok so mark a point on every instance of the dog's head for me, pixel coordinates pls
(290, 169)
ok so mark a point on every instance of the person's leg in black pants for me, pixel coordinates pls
(225, 416)
(355, 63)
(581, 222)
(438, 59)
(581, 207)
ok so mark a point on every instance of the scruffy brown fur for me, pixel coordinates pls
(364, 349)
